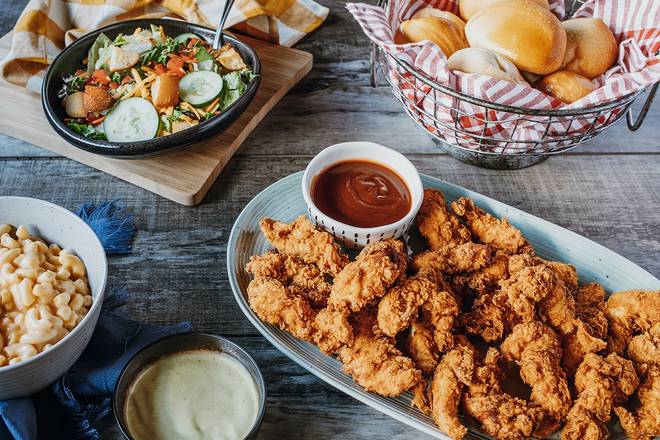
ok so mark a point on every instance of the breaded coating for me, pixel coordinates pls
(437, 224)
(376, 268)
(536, 350)
(644, 349)
(401, 303)
(590, 333)
(291, 271)
(486, 279)
(454, 371)
(441, 310)
(275, 304)
(486, 319)
(497, 233)
(503, 416)
(628, 313)
(466, 257)
(374, 362)
(521, 292)
(421, 346)
(644, 423)
(301, 239)
(557, 309)
(499, 414)
(565, 272)
(600, 383)
(332, 329)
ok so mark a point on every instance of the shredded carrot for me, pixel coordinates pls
(209, 108)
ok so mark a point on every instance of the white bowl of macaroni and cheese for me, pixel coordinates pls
(53, 272)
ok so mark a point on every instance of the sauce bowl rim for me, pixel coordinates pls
(260, 383)
(415, 187)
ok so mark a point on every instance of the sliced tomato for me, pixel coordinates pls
(100, 76)
(159, 68)
(113, 85)
(174, 64)
(126, 79)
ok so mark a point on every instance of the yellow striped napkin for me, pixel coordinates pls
(46, 26)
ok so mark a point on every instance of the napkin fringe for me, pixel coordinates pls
(112, 225)
(83, 415)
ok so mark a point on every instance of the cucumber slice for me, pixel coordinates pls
(183, 38)
(200, 88)
(134, 119)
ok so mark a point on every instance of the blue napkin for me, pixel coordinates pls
(70, 407)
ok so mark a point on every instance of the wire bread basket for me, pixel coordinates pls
(488, 134)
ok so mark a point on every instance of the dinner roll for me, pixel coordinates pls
(470, 7)
(487, 62)
(566, 86)
(527, 34)
(434, 12)
(591, 48)
(447, 35)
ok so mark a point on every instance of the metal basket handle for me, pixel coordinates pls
(634, 125)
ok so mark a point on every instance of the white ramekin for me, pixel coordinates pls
(352, 236)
(55, 225)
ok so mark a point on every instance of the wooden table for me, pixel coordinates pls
(607, 190)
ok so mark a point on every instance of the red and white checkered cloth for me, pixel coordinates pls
(636, 27)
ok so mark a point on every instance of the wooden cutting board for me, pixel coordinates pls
(183, 176)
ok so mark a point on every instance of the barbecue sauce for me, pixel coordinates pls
(361, 193)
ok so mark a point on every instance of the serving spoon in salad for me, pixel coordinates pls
(218, 39)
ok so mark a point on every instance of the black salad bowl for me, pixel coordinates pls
(71, 58)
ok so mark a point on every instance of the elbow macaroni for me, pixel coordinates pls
(44, 294)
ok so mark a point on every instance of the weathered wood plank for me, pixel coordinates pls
(177, 269)
(335, 103)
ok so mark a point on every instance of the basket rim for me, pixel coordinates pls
(507, 108)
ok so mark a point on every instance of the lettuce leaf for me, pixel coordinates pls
(102, 42)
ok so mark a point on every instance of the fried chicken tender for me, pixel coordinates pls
(497, 233)
(565, 272)
(291, 271)
(487, 319)
(441, 310)
(644, 349)
(530, 293)
(437, 224)
(536, 350)
(421, 346)
(466, 257)
(275, 304)
(302, 240)
(503, 416)
(486, 279)
(590, 333)
(374, 362)
(454, 371)
(644, 423)
(498, 413)
(401, 303)
(600, 383)
(628, 313)
(332, 329)
(378, 266)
